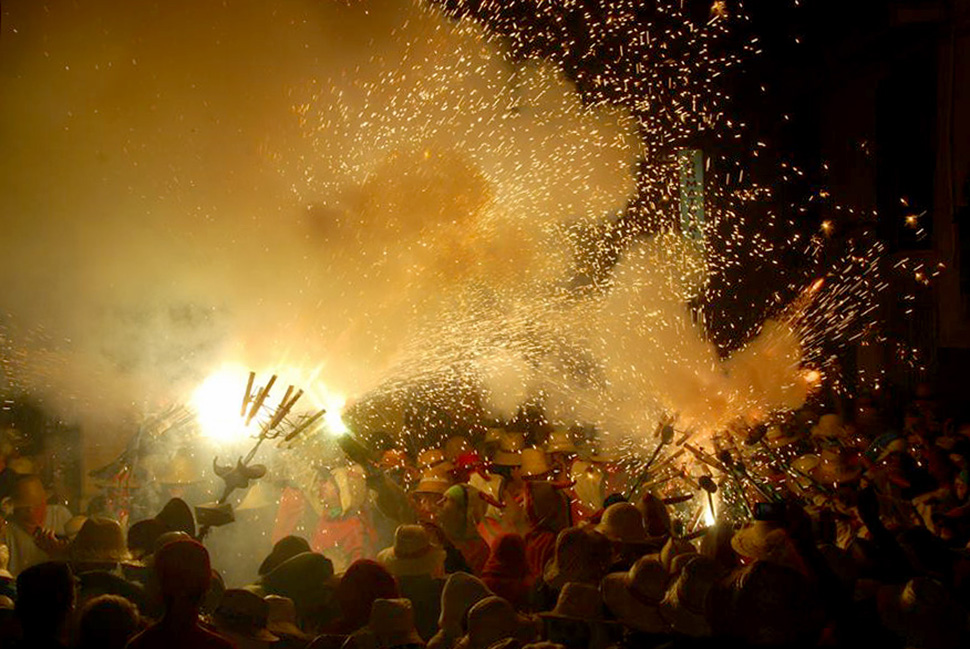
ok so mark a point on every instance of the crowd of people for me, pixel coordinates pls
(822, 530)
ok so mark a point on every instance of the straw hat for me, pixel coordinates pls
(684, 606)
(534, 463)
(509, 452)
(805, 465)
(100, 540)
(829, 427)
(767, 541)
(244, 613)
(392, 623)
(580, 602)
(281, 617)
(560, 442)
(589, 483)
(393, 459)
(259, 496)
(494, 435)
(776, 438)
(922, 611)
(460, 592)
(623, 523)
(581, 555)
(634, 597)
(412, 553)
(433, 458)
(28, 491)
(455, 446)
(493, 619)
(835, 467)
(672, 549)
(433, 481)
(5, 562)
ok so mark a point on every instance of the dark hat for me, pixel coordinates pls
(286, 548)
(307, 579)
(177, 517)
(244, 613)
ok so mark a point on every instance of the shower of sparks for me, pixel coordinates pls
(497, 196)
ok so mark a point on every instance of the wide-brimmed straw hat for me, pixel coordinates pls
(433, 458)
(634, 597)
(392, 622)
(582, 602)
(5, 562)
(777, 438)
(494, 619)
(753, 540)
(534, 463)
(100, 540)
(684, 606)
(835, 467)
(581, 555)
(259, 496)
(281, 617)
(433, 481)
(673, 548)
(623, 523)
(413, 553)
(244, 613)
(829, 427)
(560, 441)
(656, 518)
(509, 452)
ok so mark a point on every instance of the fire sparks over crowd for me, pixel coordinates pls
(439, 200)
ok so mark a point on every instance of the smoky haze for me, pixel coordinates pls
(356, 187)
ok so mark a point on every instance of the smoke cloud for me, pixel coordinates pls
(364, 189)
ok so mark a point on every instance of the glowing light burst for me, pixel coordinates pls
(217, 401)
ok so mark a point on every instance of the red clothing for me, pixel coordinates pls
(507, 571)
(349, 535)
(289, 514)
(540, 547)
(161, 636)
(475, 551)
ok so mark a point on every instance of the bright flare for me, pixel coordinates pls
(217, 402)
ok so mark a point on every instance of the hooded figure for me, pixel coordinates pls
(363, 582)
(461, 592)
(459, 516)
(507, 572)
(548, 511)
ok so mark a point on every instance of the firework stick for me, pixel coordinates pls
(305, 425)
(707, 459)
(258, 403)
(249, 394)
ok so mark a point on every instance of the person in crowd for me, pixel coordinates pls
(364, 581)
(183, 575)
(461, 591)
(418, 565)
(107, 622)
(506, 573)
(461, 511)
(45, 605)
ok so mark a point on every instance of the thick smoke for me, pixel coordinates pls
(361, 188)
